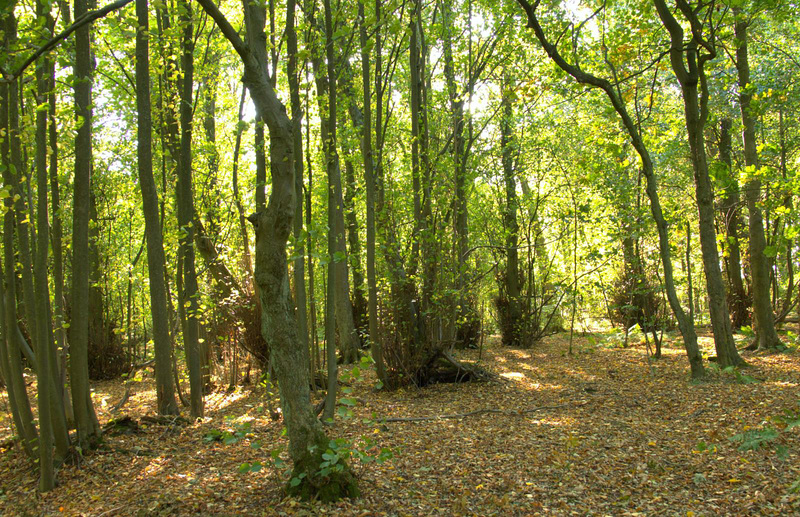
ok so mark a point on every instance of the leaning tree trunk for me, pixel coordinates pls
(307, 439)
(685, 321)
(766, 336)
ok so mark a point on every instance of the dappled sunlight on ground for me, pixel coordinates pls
(605, 430)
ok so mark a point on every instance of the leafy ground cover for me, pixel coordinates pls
(601, 432)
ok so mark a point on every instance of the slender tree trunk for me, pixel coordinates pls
(369, 179)
(694, 87)
(729, 207)
(326, 89)
(297, 139)
(185, 204)
(766, 336)
(685, 322)
(85, 417)
(12, 337)
(165, 389)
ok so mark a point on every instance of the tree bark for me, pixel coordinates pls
(185, 204)
(729, 208)
(307, 439)
(369, 180)
(165, 389)
(85, 418)
(764, 326)
(688, 61)
(685, 322)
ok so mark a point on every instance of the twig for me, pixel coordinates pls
(478, 412)
(107, 512)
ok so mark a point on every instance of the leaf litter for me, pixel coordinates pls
(600, 432)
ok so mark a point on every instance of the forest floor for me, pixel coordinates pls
(614, 434)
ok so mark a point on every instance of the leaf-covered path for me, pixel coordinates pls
(606, 434)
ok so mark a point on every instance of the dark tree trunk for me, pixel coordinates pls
(85, 418)
(165, 389)
(766, 336)
(185, 202)
(307, 439)
(729, 208)
(688, 61)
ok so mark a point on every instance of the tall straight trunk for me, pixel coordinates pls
(328, 130)
(297, 140)
(165, 389)
(185, 204)
(404, 295)
(85, 418)
(48, 363)
(688, 64)
(58, 259)
(766, 336)
(41, 325)
(420, 165)
(460, 226)
(11, 360)
(511, 226)
(729, 208)
(237, 199)
(326, 90)
(307, 439)
(369, 180)
(685, 322)
(358, 302)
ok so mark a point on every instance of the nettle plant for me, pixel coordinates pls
(340, 451)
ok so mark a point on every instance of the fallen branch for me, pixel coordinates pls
(478, 412)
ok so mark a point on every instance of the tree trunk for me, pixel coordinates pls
(185, 204)
(297, 139)
(11, 360)
(369, 179)
(729, 208)
(513, 327)
(165, 389)
(694, 87)
(685, 322)
(307, 439)
(85, 417)
(766, 336)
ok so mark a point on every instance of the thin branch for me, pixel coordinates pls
(89, 17)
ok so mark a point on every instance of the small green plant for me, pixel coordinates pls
(229, 436)
(771, 434)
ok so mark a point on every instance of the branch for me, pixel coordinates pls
(477, 412)
(50, 45)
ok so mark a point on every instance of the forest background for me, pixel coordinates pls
(324, 197)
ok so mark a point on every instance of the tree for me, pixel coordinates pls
(688, 60)
(307, 439)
